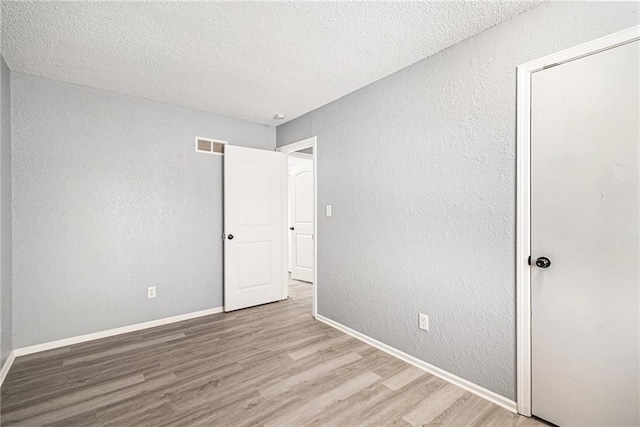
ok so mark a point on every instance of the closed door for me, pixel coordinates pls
(254, 223)
(585, 240)
(301, 220)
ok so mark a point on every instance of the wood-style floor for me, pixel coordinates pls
(272, 365)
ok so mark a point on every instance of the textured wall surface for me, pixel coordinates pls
(109, 197)
(5, 212)
(242, 59)
(420, 170)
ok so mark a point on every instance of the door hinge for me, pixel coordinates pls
(529, 260)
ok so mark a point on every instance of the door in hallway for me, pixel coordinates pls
(585, 239)
(301, 220)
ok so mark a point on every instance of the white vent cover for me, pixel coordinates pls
(210, 146)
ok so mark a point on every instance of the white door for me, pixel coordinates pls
(254, 226)
(301, 221)
(585, 219)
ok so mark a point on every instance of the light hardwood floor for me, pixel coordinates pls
(272, 365)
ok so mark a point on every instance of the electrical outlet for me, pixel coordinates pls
(151, 292)
(424, 322)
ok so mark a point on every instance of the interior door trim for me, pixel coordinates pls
(311, 142)
(523, 196)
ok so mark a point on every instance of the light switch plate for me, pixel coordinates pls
(327, 210)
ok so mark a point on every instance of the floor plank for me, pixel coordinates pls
(403, 378)
(271, 365)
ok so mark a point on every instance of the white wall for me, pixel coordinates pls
(420, 170)
(6, 302)
(109, 197)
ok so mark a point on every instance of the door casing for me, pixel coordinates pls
(523, 197)
(311, 142)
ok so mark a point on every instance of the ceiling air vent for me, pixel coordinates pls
(209, 146)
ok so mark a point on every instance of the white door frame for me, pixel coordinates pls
(523, 197)
(290, 148)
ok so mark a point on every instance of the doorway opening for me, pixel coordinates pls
(302, 214)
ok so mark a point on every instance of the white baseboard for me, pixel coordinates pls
(111, 332)
(97, 335)
(434, 370)
(6, 366)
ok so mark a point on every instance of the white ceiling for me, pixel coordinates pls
(241, 59)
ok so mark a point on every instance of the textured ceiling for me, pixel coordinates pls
(241, 59)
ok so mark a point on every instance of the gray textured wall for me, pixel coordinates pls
(109, 197)
(5, 212)
(420, 170)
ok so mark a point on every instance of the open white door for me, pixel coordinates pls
(255, 227)
(301, 220)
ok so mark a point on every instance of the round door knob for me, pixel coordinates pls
(543, 262)
(230, 237)
(291, 228)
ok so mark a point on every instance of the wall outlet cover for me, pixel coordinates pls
(424, 322)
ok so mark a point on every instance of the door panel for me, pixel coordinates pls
(585, 219)
(255, 219)
(303, 206)
(254, 264)
(253, 193)
(304, 251)
(302, 221)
